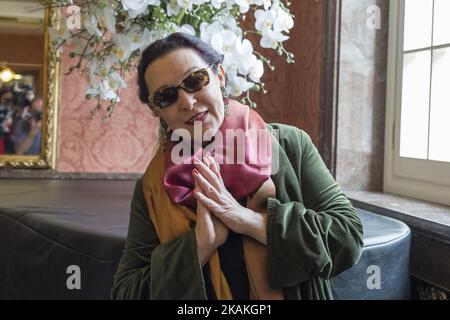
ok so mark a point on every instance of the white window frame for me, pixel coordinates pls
(423, 179)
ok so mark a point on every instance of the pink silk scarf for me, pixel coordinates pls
(242, 147)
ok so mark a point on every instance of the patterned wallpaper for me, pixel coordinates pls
(123, 144)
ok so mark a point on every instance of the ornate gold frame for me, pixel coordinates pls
(47, 158)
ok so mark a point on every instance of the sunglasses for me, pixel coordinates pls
(192, 83)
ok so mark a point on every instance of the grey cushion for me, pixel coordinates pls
(383, 269)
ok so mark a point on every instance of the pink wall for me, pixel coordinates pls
(123, 144)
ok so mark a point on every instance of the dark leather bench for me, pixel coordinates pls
(48, 225)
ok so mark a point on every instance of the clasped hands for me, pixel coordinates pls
(218, 211)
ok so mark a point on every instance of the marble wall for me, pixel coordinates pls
(362, 94)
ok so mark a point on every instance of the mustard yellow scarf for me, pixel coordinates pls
(172, 220)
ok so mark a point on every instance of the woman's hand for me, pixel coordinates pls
(214, 196)
(210, 232)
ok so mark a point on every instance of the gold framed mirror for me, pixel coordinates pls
(29, 86)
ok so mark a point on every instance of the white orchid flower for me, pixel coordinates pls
(224, 41)
(264, 19)
(102, 89)
(283, 21)
(185, 4)
(137, 7)
(256, 71)
(100, 68)
(106, 92)
(187, 28)
(208, 30)
(126, 45)
(93, 89)
(271, 39)
(60, 34)
(246, 62)
(93, 69)
(231, 66)
(173, 9)
(243, 55)
(115, 81)
(247, 46)
(223, 21)
(107, 87)
(230, 3)
(109, 19)
(188, 4)
(244, 5)
(199, 2)
(217, 3)
(146, 39)
(204, 34)
(267, 4)
(91, 26)
(238, 85)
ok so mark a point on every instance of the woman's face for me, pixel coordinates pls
(6, 98)
(207, 103)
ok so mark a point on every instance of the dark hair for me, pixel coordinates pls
(174, 41)
(4, 90)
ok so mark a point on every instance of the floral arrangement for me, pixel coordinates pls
(112, 33)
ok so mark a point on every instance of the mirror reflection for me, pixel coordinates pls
(21, 77)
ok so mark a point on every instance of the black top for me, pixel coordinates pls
(232, 263)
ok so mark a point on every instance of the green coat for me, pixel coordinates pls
(313, 234)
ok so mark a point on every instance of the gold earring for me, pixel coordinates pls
(166, 133)
(226, 106)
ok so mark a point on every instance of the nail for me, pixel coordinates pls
(196, 160)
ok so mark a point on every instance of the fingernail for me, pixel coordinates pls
(196, 160)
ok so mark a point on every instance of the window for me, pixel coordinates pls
(417, 159)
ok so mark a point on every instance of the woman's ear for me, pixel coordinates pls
(221, 74)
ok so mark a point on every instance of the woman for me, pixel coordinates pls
(210, 228)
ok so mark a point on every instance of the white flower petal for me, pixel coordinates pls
(110, 19)
(90, 23)
(217, 3)
(257, 71)
(187, 28)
